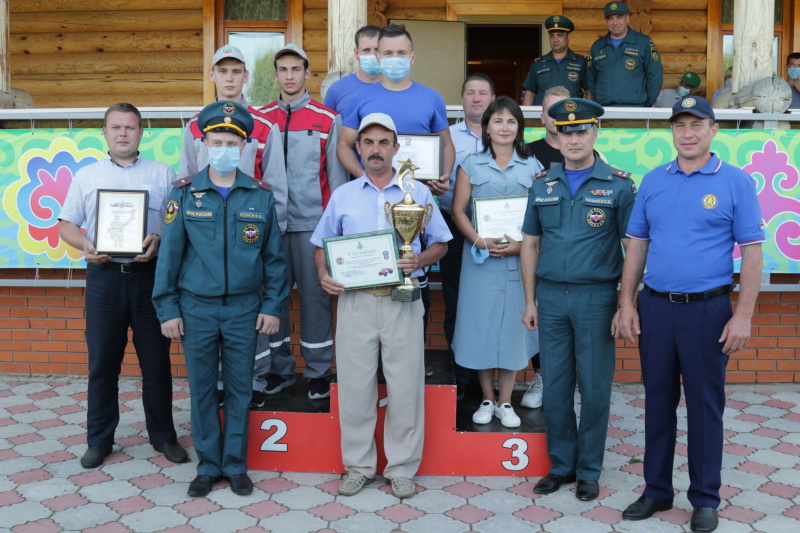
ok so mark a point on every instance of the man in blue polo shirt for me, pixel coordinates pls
(687, 216)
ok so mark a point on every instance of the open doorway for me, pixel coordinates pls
(504, 52)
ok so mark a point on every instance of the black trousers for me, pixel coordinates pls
(116, 300)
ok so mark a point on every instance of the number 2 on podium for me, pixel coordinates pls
(271, 443)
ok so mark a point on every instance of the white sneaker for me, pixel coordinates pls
(484, 413)
(507, 416)
(403, 487)
(533, 398)
(352, 483)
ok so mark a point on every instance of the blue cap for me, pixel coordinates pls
(225, 115)
(559, 23)
(575, 114)
(615, 7)
(695, 105)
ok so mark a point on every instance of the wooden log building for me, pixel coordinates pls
(92, 53)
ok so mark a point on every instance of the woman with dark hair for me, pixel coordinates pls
(489, 336)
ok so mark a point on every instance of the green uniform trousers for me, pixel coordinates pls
(214, 329)
(575, 342)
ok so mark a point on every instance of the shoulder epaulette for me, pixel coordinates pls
(263, 185)
(620, 173)
(183, 182)
(537, 59)
(541, 174)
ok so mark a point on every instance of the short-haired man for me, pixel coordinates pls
(371, 326)
(793, 71)
(687, 86)
(625, 68)
(477, 92)
(118, 290)
(559, 67)
(571, 260)
(548, 149)
(262, 157)
(369, 71)
(310, 134)
(221, 281)
(687, 328)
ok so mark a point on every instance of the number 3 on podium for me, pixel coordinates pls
(518, 448)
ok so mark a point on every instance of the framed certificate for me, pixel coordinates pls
(500, 215)
(363, 259)
(121, 222)
(424, 150)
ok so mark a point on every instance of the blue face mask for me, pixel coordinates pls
(729, 82)
(395, 68)
(794, 72)
(479, 255)
(224, 159)
(682, 91)
(369, 65)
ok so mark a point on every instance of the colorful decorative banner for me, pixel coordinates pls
(36, 168)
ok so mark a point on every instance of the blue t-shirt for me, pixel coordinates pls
(417, 109)
(341, 92)
(615, 42)
(224, 191)
(692, 222)
(575, 178)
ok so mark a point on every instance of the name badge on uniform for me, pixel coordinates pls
(199, 215)
(546, 200)
(251, 215)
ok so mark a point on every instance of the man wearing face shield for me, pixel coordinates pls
(687, 85)
(221, 247)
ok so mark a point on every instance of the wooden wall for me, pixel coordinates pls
(93, 53)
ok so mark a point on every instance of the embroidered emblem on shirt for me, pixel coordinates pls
(630, 64)
(709, 201)
(634, 190)
(171, 212)
(250, 233)
(654, 54)
(601, 192)
(199, 194)
(550, 183)
(596, 217)
(549, 190)
(573, 76)
(198, 203)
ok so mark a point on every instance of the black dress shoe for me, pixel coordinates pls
(704, 519)
(551, 483)
(94, 456)
(644, 508)
(173, 451)
(241, 484)
(201, 486)
(587, 490)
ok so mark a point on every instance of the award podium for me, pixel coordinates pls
(293, 433)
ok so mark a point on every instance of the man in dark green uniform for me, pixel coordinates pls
(624, 65)
(560, 66)
(221, 248)
(571, 262)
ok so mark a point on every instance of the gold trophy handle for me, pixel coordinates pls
(426, 219)
(387, 210)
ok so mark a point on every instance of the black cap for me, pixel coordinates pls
(559, 23)
(695, 105)
(575, 114)
(225, 115)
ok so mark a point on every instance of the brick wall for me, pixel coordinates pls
(41, 332)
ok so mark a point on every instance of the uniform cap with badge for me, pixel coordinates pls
(559, 23)
(575, 114)
(227, 52)
(691, 79)
(225, 115)
(617, 8)
(694, 105)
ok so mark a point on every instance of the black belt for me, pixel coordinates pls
(686, 297)
(127, 268)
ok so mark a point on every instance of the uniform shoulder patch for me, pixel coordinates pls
(541, 174)
(620, 173)
(183, 182)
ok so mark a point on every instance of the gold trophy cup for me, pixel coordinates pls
(408, 219)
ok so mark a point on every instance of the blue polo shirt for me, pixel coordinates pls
(692, 221)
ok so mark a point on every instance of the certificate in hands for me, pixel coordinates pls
(424, 150)
(363, 259)
(121, 222)
(498, 216)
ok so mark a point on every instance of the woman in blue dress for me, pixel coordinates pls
(489, 334)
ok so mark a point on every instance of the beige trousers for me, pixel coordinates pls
(368, 327)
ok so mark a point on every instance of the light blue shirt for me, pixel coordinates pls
(358, 207)
(466, 144)
(80, 205)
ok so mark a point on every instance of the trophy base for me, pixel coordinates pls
(400, 294)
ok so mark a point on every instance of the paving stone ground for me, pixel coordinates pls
(44, 489)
